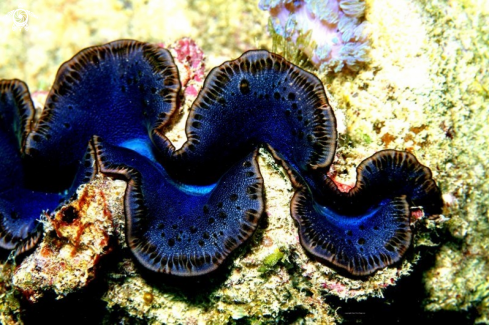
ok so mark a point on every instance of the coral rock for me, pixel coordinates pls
(75, 240)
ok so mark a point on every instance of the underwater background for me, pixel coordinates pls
(416, 80)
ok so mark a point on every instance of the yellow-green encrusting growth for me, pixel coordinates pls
(271, 260)
(460, 278)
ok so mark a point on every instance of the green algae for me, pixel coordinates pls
(9, 297)
(271, 260)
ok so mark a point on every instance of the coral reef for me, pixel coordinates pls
(424, 91)
(333, 33)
